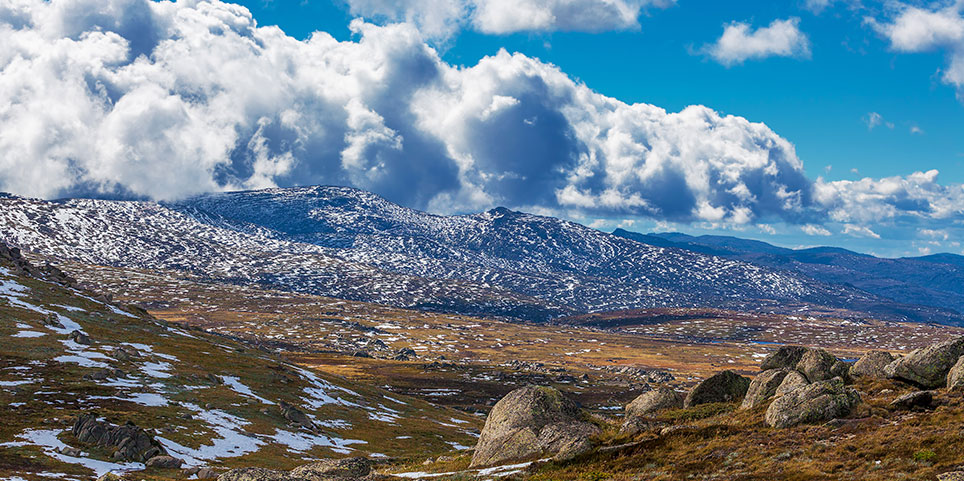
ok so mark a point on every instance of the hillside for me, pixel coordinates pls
(935, 281)
(351, 244)
(206, 399)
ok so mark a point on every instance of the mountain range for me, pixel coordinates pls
(352, 244)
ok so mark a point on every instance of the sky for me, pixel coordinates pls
(802, 123)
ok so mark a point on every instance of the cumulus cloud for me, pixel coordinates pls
(442, 18)
(739, 42)
(162, 100)
(916, 29)
(873, 119)
(813, 229)
(859, 231)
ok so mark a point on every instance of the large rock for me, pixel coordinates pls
(129, 442)
(818, 365)
(955, 377)
(531, 422)
(164, 462)
(640, 412)
(763, 387)
(914, 400)
(815, 403)
(793, 380)
(872, 365)
(726, 386)
(927, 366)
(784, 357)
(333, 469)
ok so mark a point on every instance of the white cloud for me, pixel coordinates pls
(813, 229)
(817, 6)
(916, 130)
(935, 233)
(442, 18)
(872, 201)
(915, 29)
(859, 231)
(739, 43)
(873, 119)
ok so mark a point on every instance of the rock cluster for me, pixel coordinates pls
(532, 422)
(348, 469)
(928, 367)
(128, 442)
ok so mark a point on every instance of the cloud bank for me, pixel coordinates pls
(165, 100)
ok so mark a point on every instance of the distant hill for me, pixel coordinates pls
(936, 280)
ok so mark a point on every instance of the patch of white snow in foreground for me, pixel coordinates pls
(232, 442)
(235, 384)
(47, 439)
(495, 471)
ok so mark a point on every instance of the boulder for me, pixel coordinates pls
(130, 443)
(955, 377)
(295, 415)
(914, 400)
(815, 403)
(206, 473)
(927, 366)
(164, 462)
(79, 338)
(784, 357)
(530, 422)
(763, 387)
(872, 365)
(332, 469)
(793, 380)
(254, 474)
(951, 476)
(820, 365)
(651, 402)
(726, 386)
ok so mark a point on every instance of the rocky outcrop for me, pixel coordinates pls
(955, 377)
(348, 469)
(164, 462)
(872, 365)
(814, 403)
(128, 442)
(296, 416)
(784, 357)
(763, 387)
(928, 366)
(651, 402)
(726, 386)
(334, 468)
(531, 422)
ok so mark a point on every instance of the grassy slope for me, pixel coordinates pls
(39, 392)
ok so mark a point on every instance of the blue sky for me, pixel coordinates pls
(814, 122)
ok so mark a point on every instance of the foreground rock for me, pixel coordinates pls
(872, 365)
(815, 364)
(763, 387)
(532, 422)
(815, 403)
(914, 400)
(792, 381)
(927, 366)
(128, 442)
(726, 386)
(349, 469)
(640, 412)
(164, 462)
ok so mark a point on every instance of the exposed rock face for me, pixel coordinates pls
(927, 366)
(817, 402)
(872, 365)
(914, 400)
(334, 468)
(817, 365)
(79, 338)
(763, 387)
(130, 442)
(955, 377)
(726, 386)
(207, 473)
(793, 380)
(784, 357)
(530, 422)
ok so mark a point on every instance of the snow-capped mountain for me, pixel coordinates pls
(348, 243)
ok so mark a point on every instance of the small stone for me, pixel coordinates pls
(164, 462)
(916, 399)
